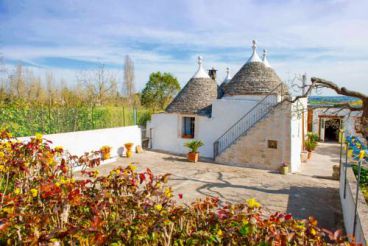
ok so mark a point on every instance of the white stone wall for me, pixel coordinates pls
(283, 125)
(348, 208)
(166, 128)
(84, 141)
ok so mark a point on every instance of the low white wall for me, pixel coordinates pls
(84, 141)
(348, 208)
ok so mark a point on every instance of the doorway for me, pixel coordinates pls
(332, 127)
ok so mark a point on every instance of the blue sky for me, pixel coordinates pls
(327, 38)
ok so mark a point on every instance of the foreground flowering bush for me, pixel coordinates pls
(41, 203)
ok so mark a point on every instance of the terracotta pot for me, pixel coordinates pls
(193, 156)
(309, 155)
(105, 156)
(335, 172)
(129, 153)
(284, 170)
(304, 156)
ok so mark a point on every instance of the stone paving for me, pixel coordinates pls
(309, 192)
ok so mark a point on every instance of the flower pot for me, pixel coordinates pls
(193, 156)
(304, 156)
(284, 170)
(309, 155)
(335, 172)
(129, 153)
(105, 156)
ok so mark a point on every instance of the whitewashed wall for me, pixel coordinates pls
(84, 141)
(297, 132)
(166, 128)
(348, 208)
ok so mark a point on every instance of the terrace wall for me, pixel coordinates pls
(84, 141)
(348, 208)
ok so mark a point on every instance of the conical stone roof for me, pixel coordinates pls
(254, 78)
(197, 95)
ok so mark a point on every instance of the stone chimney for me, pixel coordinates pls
(212, 73)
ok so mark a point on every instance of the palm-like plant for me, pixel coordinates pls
(194, 145)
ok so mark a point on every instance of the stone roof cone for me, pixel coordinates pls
(197, 95)
(256, 77)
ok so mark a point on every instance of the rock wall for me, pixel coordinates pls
(251, 150)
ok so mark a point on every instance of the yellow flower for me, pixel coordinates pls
(132, 167)
(252, 203)
(57, 184)
(34, 192)
(361, 154)
(8, 210)
(38, 136)
(117, 171)
(168, 193)
(313, 231)
(17, 191)
(2, 154)
(2, 168)
(158, 207)
(219, 233)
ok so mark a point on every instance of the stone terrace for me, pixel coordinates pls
(310, 192)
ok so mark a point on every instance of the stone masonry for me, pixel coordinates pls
(251, 150)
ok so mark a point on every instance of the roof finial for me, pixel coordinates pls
(254, 57)
(228, 77)
(200, 72)
(200, 61)
(264, 59)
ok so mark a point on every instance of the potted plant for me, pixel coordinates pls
(129, 151)
(105, 152)
(284, 169)
(193, 145)
(310, 146)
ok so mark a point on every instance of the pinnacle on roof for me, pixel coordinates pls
(264, 59)
(228, 76)
(201, 73)
(254, 57)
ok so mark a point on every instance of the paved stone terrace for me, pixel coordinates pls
(310, 192)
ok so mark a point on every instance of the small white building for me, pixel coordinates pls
(326, 121)
(244, 122)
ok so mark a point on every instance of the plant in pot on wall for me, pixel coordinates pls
(284, 169)
(129, 151)
(310, 146)
(105, 152)
(193, 145)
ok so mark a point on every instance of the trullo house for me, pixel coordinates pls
(245, 121)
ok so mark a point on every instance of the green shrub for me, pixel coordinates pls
(43, 204)
(194, 145)
(310, 145)
(313, 137)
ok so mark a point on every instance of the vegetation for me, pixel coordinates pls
(363, 180)
(313, 137)
(311, 142)
(159, 91)
(43, 204)
(194, 145)
(30, 104)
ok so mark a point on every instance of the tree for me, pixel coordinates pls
(317, 83)
(129, 86)
(98, 86)
(159, 91)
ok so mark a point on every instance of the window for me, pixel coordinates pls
(188, 127)
(272, 144)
